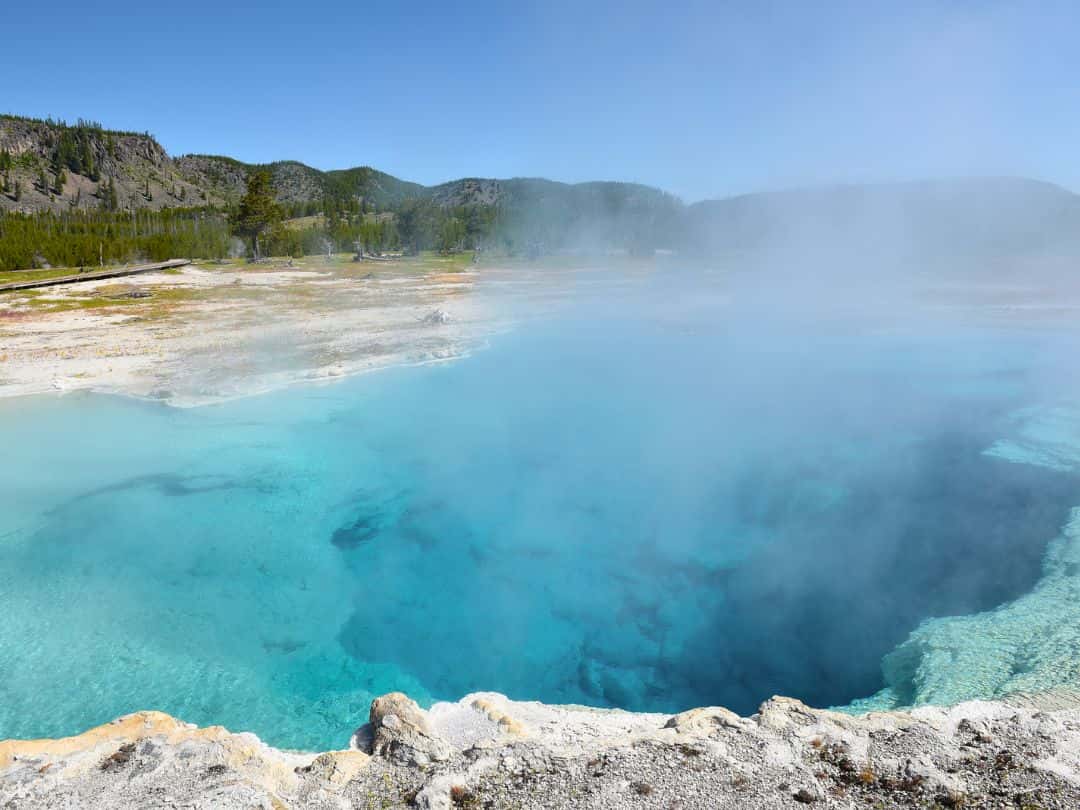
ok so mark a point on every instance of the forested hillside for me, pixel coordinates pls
(77, 194)
(80, 194)
(53, 166)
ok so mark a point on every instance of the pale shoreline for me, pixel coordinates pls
(212, 332)
(206, 335)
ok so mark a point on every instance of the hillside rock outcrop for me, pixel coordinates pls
(96, 161)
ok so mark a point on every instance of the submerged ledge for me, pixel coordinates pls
(486, 751)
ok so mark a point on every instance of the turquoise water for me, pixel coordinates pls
(613, 512)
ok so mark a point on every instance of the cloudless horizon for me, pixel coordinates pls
(703, 99)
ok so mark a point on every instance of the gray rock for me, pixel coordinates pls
(400, 730)
(488, 751)
(436, 317)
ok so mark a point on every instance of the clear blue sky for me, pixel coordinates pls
(701, 98)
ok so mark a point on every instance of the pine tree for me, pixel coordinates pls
(107, 193)
(60, 180)
(18, 190)
(43, 181)
(258, 210)
(89, 165)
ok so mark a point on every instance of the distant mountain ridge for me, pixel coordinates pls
(297, 182)
(996, 213)
(145, 176)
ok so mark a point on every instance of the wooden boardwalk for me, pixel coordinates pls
(116, 272)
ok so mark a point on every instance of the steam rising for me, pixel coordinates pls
(770, 466)
(655, 506)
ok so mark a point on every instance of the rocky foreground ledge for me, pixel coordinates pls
(490, 752)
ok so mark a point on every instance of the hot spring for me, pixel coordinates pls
(619, 510)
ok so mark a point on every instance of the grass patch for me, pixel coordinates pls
(439, 263)
(17, 276)
(304, 223)
(428, 261)
(161, 300)
(68, 304)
